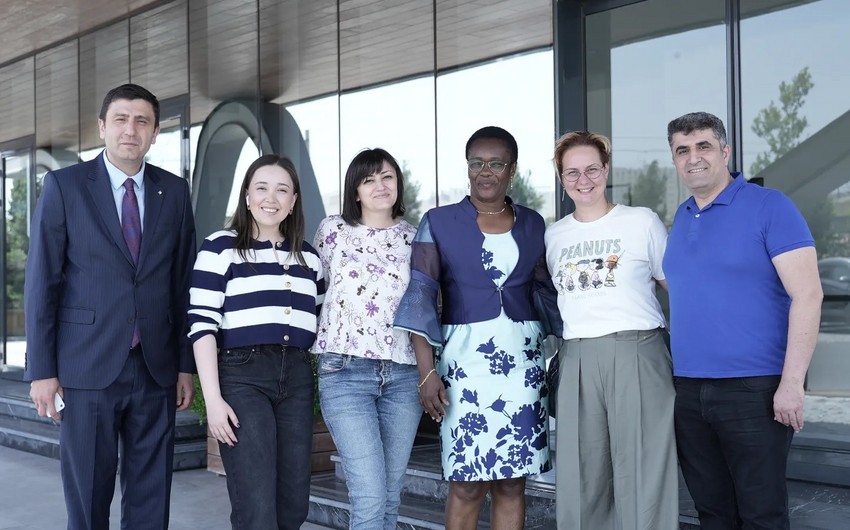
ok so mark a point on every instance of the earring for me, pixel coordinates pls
(511, 184)
(564, 194)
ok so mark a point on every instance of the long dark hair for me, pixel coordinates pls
(368, 162)
(291, 228)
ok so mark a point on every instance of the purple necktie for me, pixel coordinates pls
(131, 225)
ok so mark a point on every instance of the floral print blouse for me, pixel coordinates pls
(366, 272)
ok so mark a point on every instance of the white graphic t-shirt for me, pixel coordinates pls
(605, 271)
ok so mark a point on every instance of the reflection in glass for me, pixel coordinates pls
(796, 117)
(16, 198)
(399, 118)
(641, 65)
(318, 121)
(166, 152)
(517, 94)
(247, 156)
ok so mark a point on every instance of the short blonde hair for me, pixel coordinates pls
(579, 138)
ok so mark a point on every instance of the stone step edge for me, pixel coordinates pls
(532, 487)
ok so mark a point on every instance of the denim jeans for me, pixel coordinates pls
(270, 388)
(732, 452)
(372, 411)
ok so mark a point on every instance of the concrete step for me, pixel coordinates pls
(423, 497)
(821, 453)
(22, 428)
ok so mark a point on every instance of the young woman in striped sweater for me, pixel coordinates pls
(257, 289)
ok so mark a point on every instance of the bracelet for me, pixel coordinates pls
(419, 386)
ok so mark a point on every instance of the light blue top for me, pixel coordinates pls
(117, 178)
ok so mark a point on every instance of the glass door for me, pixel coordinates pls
(18, 201)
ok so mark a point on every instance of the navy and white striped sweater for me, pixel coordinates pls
(259, 301)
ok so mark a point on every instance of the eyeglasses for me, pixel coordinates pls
(477, 166)
(572, 175)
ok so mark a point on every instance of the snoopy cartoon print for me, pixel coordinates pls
(583, 275)
(565, 277)
(598, 265)
(611, 263)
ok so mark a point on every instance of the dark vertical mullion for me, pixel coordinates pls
(570, 78)
(339, 107)
(734, 123)
(436, 122)
(258, 98)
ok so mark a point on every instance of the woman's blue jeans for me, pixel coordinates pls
(270, 388)
(372, 411)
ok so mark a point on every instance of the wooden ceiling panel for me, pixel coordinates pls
(104, 64)
(57, 90)
(222, 53)
(17, 100)
(471, 31)
(159, 50)
(384, 39)
(298, 49)
(30, 25)
(303, 52)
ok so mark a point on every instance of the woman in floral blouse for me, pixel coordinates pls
(367, 370)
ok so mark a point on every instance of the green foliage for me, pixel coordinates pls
(317, 408)
(199, 406)
(523, 193)
(412, 203)
(17, 243)
(781, 126)
(650, 190)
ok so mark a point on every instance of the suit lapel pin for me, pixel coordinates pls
(159, 192)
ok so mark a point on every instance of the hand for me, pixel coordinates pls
(432, 397)
(221, 419)
(788, 404)
(43, 393)
(185, 391)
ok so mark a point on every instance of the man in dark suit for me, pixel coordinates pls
(107, 282)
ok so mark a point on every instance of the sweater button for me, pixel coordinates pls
(286, 338)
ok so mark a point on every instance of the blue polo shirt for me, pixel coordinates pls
(728, 308)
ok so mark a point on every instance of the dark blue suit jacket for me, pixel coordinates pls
(82, 291)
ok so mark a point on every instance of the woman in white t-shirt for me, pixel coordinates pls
(367, 369)
(616, 462)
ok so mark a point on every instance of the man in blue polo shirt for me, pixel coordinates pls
(744, 314)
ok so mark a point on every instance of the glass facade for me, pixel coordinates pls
(320, 80)
(647, 63)
(317, 81)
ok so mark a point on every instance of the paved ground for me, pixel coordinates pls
(31, 497)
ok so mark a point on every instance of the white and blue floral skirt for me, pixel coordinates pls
(496, 423)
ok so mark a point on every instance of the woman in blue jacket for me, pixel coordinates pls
(485, 385)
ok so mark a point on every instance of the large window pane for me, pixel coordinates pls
(796, 116)
(516, 94)
(400, 119)
(647, 64)
(318, 124)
